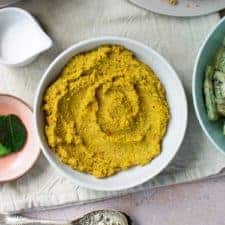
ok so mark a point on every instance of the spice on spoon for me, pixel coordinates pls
(173, 2)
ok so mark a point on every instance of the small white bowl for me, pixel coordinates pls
(21, 37)
(177, 125)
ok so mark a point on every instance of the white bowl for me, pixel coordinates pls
(21, 37)
(177, 125)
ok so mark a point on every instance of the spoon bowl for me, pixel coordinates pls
(107, 217)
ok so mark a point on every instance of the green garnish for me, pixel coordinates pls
(13, 134)
(214, 87)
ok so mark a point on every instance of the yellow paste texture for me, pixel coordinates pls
(106, 112)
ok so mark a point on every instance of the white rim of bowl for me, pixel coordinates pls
(93, 186)
(194, 78)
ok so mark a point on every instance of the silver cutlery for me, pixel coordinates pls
(99, 217)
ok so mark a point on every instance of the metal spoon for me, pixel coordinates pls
(100, 217)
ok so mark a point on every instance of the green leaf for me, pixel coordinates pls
(3, 151)
(13, 134)
(220, 60)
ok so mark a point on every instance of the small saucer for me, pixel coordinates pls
(17, 164)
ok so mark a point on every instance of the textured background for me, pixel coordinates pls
(70, 21)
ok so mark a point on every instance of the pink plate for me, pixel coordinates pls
(17, 164)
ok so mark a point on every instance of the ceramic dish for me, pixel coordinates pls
(21, 37)
(207, 52)
(185, 8)
(176, 130)
(17, 164)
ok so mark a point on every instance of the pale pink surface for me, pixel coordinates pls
(201, 203)
(15, 165)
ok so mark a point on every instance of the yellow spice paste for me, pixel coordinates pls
(106, 112)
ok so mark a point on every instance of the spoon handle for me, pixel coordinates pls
(21, 220)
